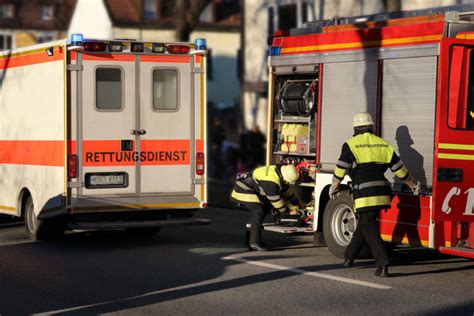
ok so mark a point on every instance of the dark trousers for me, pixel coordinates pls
(367, 231)
(257, 215)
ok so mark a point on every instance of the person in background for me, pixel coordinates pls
(366, 157)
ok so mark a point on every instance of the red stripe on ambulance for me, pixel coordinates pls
(32, 152)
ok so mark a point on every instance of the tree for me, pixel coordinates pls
(187, 16)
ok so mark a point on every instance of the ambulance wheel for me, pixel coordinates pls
(42, 229)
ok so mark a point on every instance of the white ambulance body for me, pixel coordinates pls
(103, 135)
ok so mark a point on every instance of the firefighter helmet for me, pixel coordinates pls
(289, 173)
(362, 119)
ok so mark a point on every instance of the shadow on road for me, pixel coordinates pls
(100, 272)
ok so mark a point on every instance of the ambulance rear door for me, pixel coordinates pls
(166, 110)
(107, 146)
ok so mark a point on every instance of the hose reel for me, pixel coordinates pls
(297, 97)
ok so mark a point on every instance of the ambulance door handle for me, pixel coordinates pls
(138, 132)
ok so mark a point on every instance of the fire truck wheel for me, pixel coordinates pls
(42, 229)
(339, 223)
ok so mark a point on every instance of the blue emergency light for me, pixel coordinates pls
(200, 44)
(77, 39)
(274, 51)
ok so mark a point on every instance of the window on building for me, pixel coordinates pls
(43, 38)
(271, 21)
(304, 13)
(6, 10)
(108, 89)
(167, 8)
(224, 9)
(240, 66)
(5, 41)
(150, 9)
(165, 89)
(47, 12)
(287, 16)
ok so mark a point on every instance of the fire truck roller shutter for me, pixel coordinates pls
(408, 112)
(348, 88)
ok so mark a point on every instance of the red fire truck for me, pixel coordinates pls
(414, 72)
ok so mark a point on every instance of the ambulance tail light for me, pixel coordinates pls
(137, 47)
(158, 48)
(115, 47)
(178, 49)
(200, 164)
(72, 165)
(94, 46)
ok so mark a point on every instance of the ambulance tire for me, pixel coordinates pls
(339, 224)
(37, 229)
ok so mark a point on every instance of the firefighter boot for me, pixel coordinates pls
(382, 271)
(247, 235)
(347, 263)
(258, 247)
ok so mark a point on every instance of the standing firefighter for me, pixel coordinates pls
(366, 157)
(260, 191)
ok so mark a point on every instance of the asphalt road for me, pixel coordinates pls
(205, 270)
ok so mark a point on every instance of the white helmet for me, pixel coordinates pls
(289, 173)
(362, 119)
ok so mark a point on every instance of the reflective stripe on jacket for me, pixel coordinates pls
(265, 182)
(366, 157)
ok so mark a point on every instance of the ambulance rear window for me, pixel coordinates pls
(109, 89)
(165, 89)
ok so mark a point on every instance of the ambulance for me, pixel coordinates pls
(414, 72)
(103, 134)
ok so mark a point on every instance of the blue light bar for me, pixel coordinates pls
(77, 39)
(200, 44)
(274, 51)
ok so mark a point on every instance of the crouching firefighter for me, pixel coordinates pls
(262, 190)
(366, 157)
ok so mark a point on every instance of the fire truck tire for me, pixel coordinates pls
(42, 229)
(339, 223)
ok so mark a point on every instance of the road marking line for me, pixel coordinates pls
(122, 300)
(305, 272)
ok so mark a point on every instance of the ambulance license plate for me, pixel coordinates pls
(106, 180)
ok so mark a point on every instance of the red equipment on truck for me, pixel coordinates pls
(414, 72)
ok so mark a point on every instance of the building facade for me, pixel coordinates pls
(219, 24)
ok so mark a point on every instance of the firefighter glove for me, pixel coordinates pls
(417, 189)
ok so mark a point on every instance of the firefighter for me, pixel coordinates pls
(366, 157)
(261, 190)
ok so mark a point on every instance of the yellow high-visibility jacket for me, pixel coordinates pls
(264, 183)
(366, 157)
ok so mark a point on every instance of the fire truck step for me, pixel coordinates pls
(287, 229)
(458, 251)
(137, 224)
